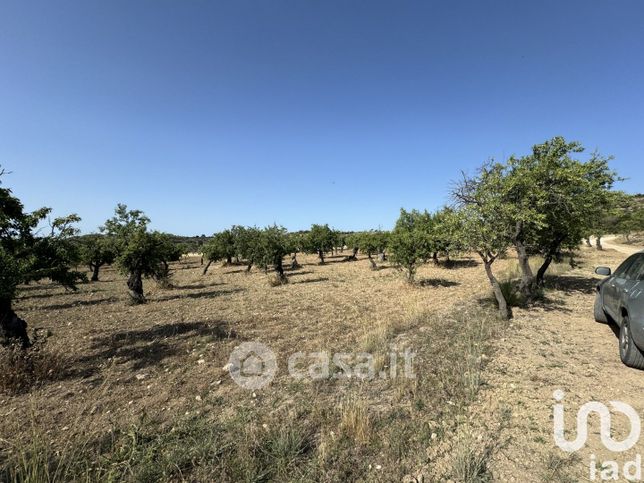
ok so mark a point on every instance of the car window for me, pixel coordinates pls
(635, 269)
(619, 273)
(640, 274)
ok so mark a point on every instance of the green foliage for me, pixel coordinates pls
(96, 251)
(411, 240)
(319, 240)
(623, 214)
(140, 253)
(26, 256)
(168, 251)
(557, 198)
(246, 243)
(485, 221)
(273, 245)
(222, 246)
(446, 232)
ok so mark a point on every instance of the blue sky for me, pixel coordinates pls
(210, 113)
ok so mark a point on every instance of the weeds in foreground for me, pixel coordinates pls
(366, 436)
(21, 369)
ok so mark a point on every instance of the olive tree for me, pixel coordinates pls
(411, 241)
(554, 200)
(319, 240)
(484, 222)
(97, 251)
(372, 243)
(246, 241)
(445, 234)
(221, 246)
(167, 251)
(27, 256)
(140, 254)
(296, 244)
(273, 244)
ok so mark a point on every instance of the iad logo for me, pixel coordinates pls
(605, 426)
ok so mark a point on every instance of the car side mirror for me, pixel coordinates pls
(604, 271)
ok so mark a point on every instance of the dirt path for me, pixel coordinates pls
(557, 347)
(625, 249)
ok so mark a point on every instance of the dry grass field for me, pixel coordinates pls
(140, 393)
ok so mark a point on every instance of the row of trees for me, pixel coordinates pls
(539, 204)
(29, 253)
(267, 247)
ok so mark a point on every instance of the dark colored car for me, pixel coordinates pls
(620, 299)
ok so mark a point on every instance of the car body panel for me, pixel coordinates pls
(623, 293)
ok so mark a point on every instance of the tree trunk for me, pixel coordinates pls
(95, 267)
(135, 287)
(598, 243)
(205, 269)
(382, 257)
(628, 237)
(321, 255)
(505, 312)
(435, 258)
(249, 266)
(202, 261)
(12, 327)
(588, 244)
(541, 273)
(354, 256)
(373, 263)
(411, 270)
(280, 272)
(229, 260)
(294, 264)
(163, 281)
(528, 283)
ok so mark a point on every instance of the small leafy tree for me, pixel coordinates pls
(25, 256)
(273, 245)
(246, 242)
(372, 243)
(352, 240)
(167, 251)
(484, 222)
(446, 236)
(556, 200)
(97, 251)
(411, 241)
(296, 244)
(221, 246)
(139, 252)
(319, 240)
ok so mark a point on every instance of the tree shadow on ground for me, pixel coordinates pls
(312, 280)
(293, 273)
(436, 282)
(39, 296)
(146, 347)
(570, 283)
(78, 303)
(455, 264)
(240, 270)
(195, 286)
(198, 295)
